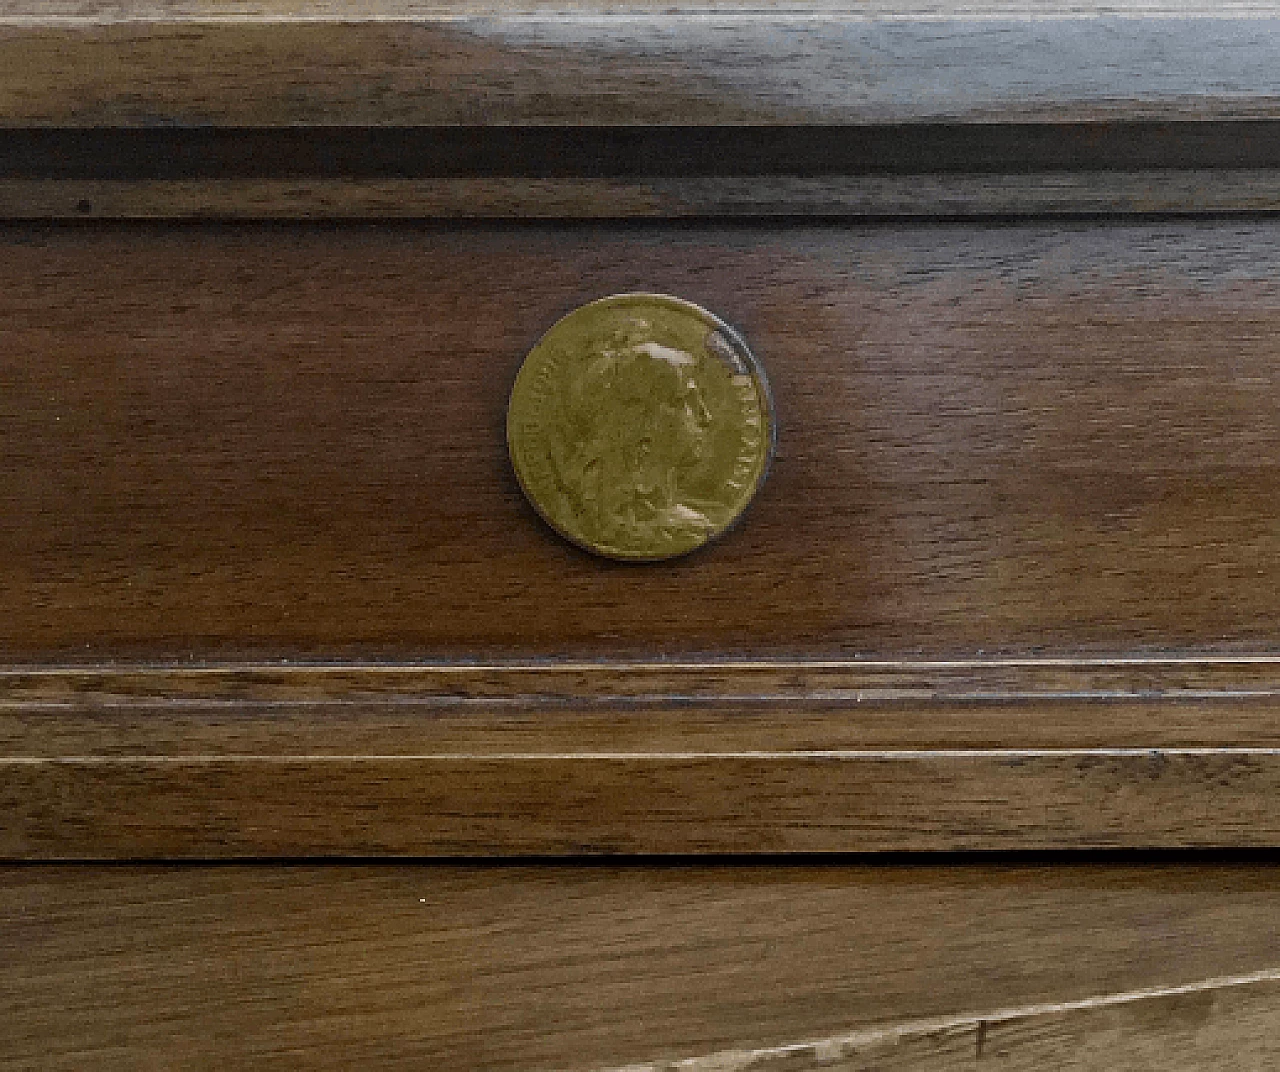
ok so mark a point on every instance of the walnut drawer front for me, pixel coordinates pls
(270, 586)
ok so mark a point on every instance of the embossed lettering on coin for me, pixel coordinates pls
(640, 426)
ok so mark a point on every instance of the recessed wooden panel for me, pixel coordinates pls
(288, 442)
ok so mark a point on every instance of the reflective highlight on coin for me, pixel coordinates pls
(640, 426)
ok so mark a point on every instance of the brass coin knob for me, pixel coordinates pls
(640, 426)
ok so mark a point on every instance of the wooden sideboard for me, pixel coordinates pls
(319, 749)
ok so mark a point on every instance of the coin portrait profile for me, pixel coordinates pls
(640, 426)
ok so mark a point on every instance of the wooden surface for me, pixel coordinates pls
(629, 758)
(1042, 455)
(268, 589)
(1101, 967)
(1043, 196)
(506, 804)
(923, 170)
(269, 442)
(200, 63)
(479, 75)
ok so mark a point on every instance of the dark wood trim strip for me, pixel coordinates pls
(633, 152)
(872, 197)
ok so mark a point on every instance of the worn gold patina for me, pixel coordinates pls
(640, 426)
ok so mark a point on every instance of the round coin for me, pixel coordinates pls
(640, 426)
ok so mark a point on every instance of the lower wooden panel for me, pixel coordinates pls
(1077, 966)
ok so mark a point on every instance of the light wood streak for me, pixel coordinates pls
(556, 681)
(1229, 1023)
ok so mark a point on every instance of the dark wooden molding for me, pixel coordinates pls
(596, 64)
(455, 110)
(633, 153)
(553, 683)
(725, 757)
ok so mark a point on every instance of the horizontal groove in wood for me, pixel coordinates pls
(558, 682)
(667, 152)
(1056, 194)
(633, 66)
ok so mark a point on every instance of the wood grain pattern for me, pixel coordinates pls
(621, 707)
(540, 968)
(199, 64)
(248, 444)
(1189, 193)
(1217, 1024)
(636, 758)
(506, 804)
(77, 12)
(263, 442)
(267, 587)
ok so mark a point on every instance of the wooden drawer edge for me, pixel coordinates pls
(547, 759)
